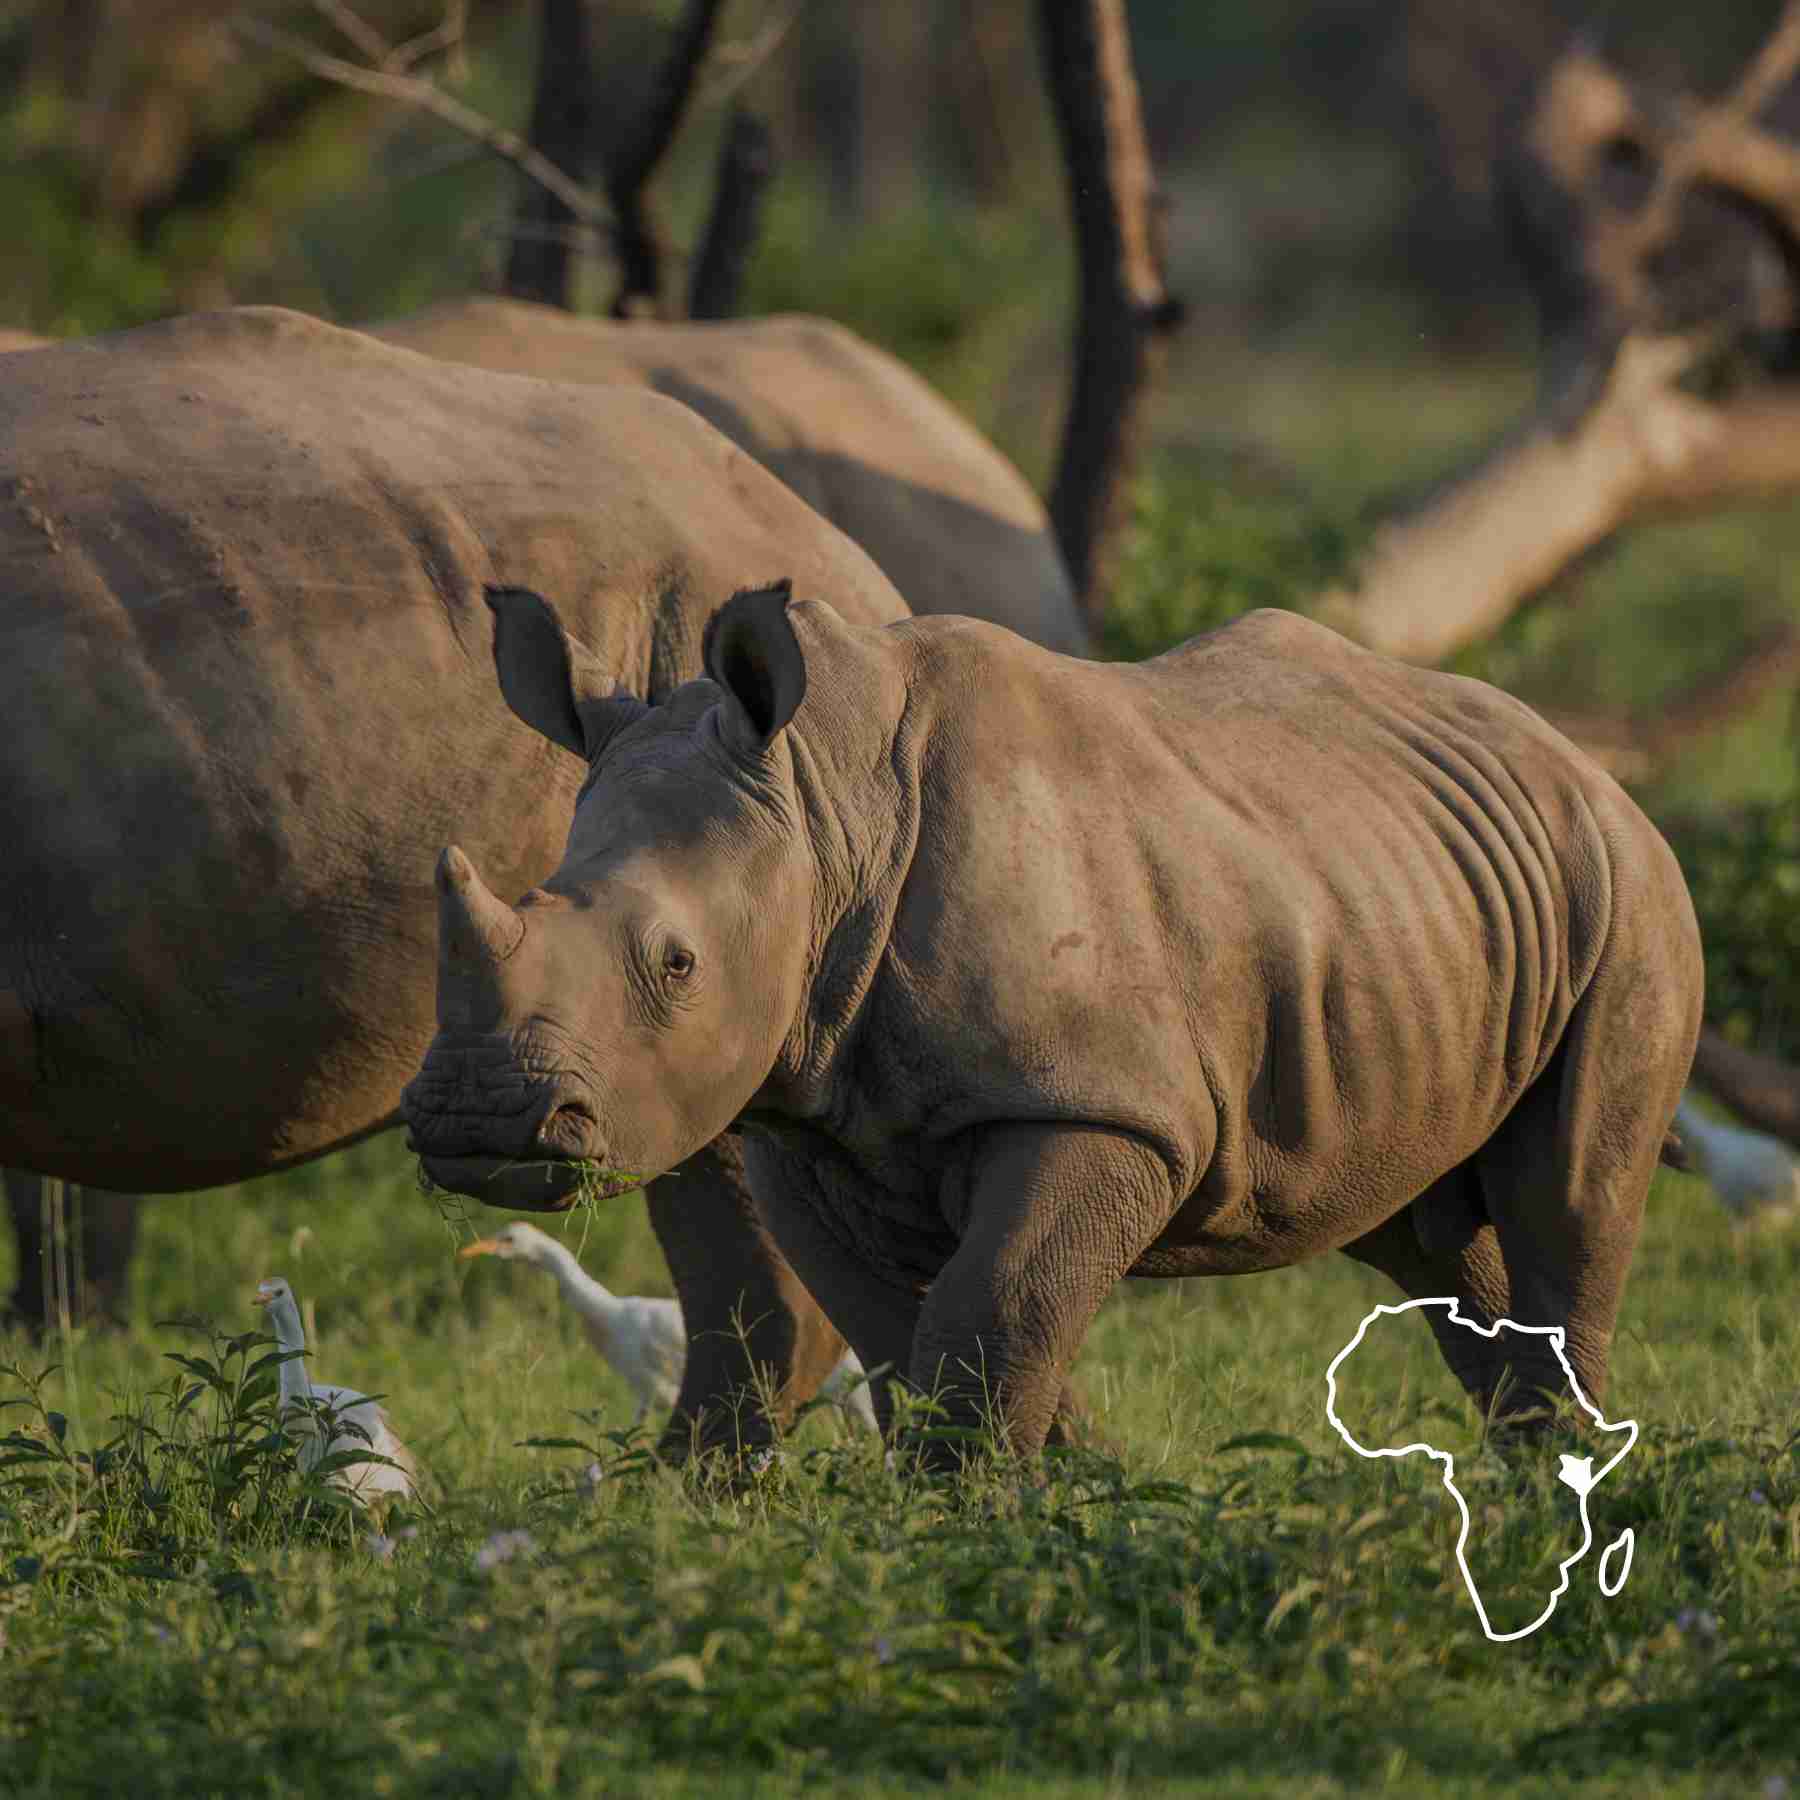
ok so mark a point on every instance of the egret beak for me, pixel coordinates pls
(259, 1298)
(480, 1247)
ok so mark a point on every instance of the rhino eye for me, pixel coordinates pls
(678, 962)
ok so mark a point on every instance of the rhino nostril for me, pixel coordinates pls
(570, 1127)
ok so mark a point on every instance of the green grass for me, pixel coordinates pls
(1173, 1611)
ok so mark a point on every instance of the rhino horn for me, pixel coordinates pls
(477, 931)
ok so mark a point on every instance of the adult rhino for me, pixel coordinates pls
(1030, 973)
(851, 429)
(246, 675)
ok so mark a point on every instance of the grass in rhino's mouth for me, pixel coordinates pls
(594, 1185)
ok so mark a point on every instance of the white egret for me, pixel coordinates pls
(301, 1397)
(644, 1339)
(1755, 1175)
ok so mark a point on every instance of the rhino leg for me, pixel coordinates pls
(107, 1225)
(1055, 1218)
(877, 1310)
(879, 1314)
(753, 1329)
(1444, 1243)
(1539, 1226)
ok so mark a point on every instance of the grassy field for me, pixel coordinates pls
(1224, 1598)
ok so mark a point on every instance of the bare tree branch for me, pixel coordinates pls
(450, 35)
(415, 90)
(1126, 308)
(1640, 213)
(362, 35)
(396, 58)
(731, 65)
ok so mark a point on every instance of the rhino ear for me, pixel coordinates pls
(551, 680)
(752, 653)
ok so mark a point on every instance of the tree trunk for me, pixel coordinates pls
(543, 260)
(746, 167)
(629, 170)
(1125, 307)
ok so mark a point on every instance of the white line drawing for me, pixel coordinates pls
(1577, 1472)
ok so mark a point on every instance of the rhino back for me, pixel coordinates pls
(245, 658)
(848, 427)
(1308, 920)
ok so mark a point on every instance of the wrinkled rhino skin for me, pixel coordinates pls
(247, 676)
(1026, 974)
(853, 431)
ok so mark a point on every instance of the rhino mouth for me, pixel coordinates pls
(544, 1184)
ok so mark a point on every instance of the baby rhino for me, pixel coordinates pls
(1024, 974)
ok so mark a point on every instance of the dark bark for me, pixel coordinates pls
(543, 259)
(1125, 306)
(746, 167)
(629, 169)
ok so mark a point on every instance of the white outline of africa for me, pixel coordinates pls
(1577, 1472)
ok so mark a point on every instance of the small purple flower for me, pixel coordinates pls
(1759, 1498)
(379, 1546)
(588, 1482)
(503, 1546)
(1703, 1624)
(162, 1634)
(884, 1651)
(762, 1461)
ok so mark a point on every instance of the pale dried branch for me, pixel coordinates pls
(450, 34)
(419, 91)
(731, 65)
(1451, 569)
(396, 58)
(360, 33)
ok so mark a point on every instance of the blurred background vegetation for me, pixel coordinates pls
(1356, 325)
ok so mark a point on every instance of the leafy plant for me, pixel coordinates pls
(1207, 543)
(1743, 871)
(199, 1464)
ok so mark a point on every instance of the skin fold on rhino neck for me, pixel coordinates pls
(859, 827)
